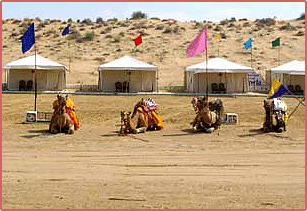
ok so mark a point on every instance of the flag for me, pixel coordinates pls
(248, 44)
(218, 37)
(28, 39)
(66, 30)
(277, 89)
(138, 40)
(276, 42)
(198, 45)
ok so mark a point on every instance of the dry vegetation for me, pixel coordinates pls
(164, 43)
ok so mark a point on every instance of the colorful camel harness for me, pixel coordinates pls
(152, 118)
(70, 110)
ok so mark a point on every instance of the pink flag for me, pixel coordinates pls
(198, 45)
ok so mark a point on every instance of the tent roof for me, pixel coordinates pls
(219, 65)
(29, 63)
(127, 63)
(294, 67)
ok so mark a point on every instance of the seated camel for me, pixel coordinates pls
(61, 121)
(133, 124)
(209, 115)
(144, 117)
(275, 115)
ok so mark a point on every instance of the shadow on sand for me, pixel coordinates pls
(113, 133)
(38, 133)
(187, 132)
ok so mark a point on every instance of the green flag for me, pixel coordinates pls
(276, 42)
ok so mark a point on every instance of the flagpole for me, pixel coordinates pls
(69, 56)
(279, 55)
(251, 63)
(35, 83)
(218, 49)
(207, 77)
(157, 81)
(251, 56)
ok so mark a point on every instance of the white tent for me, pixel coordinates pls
(140, 75)
(50, 75)
(232, 75)
(291, 74)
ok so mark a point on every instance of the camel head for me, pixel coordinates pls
(125, 121)
(197, 104)
(194, 103)
(140, 103)
(268, 105)
(125, 117)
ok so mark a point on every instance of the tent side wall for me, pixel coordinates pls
(189, 81)
(55, 80)
(298, 80)
(51, 80)
(294, 80)
(288, 79)
(138, 80)
(234, 82)
(16, 75)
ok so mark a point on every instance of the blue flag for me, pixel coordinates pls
(28, 39)
(248, 44)
(277, 89)
(66, 30)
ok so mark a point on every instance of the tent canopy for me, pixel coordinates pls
(219, 65)
(127, 63)
(294, 68)
(29, 63)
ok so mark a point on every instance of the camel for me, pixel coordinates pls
(208, 114)
(274, 118)
(134, 123)
(143, 118)
(61, 122)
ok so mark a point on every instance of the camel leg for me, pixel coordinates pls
(53, 129)
(71, 130)
(71, 127)
(209, 130)
(140, 130)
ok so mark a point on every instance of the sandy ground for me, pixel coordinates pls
(237, 167)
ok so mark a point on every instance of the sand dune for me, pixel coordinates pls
(164, 44)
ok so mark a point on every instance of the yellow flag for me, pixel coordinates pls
(218, 37)
(275, 85)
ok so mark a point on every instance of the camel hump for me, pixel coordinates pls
(217, 105)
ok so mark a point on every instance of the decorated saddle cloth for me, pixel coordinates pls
(151, 115)
(70, 110)
(280, 105)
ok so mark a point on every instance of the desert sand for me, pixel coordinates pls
(238, 166)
